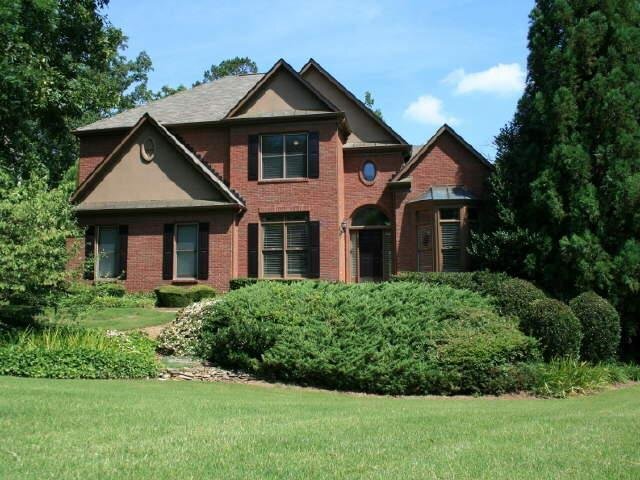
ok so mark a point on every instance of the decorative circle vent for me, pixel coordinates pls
(148, 149)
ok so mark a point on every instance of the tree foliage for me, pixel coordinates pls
(566, 190)
(61, 66)
(228, 67)
(370, 103)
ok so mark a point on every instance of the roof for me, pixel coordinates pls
(417, 155)
(231, 195)
(352, 97)
(446, 193)
(208, 102)
(149, 205)
(279, 65)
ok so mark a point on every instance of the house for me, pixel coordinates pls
(278, 175)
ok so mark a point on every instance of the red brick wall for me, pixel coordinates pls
(93, 149)
(446, 163)
(144, 258)
(320, 197)
(211, 143)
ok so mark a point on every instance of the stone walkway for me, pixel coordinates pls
(205, 373)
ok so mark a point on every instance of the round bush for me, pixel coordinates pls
(393, 338)
(110, 289)
(172, 296)
(555, 326)
(512, 296)
(600, 327)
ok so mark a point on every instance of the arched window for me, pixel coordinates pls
(370, 217)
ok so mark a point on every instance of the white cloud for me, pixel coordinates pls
(501, 79)
(428, 109)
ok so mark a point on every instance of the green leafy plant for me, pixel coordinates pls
(395, 338)
(182, 336)
(600, 327)
(555, 326)
(174, 296)
(66, 352)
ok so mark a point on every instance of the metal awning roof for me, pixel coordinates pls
(446, 193)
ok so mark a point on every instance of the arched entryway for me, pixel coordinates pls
(371, 241)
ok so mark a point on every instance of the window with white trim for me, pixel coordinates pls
(283, 156)
(285, 245)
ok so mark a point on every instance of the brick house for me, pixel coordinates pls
(278, 175)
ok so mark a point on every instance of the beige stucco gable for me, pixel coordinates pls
(281, 93)
(167, 177)
(363, 127)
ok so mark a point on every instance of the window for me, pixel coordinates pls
(450, 239)
(369, 171)
(186, 251)
(284, 156)
(369, 217)
(285, 245)
(107, 253)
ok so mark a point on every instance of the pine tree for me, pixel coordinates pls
(565, 196)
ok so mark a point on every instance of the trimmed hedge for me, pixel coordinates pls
(512, 296)
(382, 338)
(173, 296)
(555, 326)
(236, 283)
(600, 327)
(64, 352)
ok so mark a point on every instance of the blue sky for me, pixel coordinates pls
(460, 61)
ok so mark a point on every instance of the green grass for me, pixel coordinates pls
(124, 318)
(148, 429)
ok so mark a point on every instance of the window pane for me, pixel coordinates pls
(369, 171)
(273, 236)
(297, 216)
(272, 167)
(186, 264)
(369, 216)
(107, 252)
(297, 262)
(451, 260)
(297, 235)
(449, 213)
(296, 144)
(187, 237)
(272, 263)
(450, 235)
(296, 166)
(272, 145)
(272, 217)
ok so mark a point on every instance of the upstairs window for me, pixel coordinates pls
(285, 245)
(283, 156)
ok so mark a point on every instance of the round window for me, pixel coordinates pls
(369, 171)
(148, 149)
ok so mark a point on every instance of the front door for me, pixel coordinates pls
(370, 246)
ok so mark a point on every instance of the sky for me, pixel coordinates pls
(427, 62)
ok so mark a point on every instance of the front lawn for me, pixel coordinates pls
(122, 318)
(151, 429)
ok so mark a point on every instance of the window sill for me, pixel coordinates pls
(184, 281)
(284, 180)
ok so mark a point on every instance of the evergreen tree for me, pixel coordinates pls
(566, 191)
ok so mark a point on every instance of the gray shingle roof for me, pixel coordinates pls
(208, 102)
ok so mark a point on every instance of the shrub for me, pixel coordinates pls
(172, 296)
(561, 378)
(600, 327)
(383, 338)
(66, 352)
(110, 289)
(236, 283)
(182, 336)
(19, 316)
(200, 292)
(555, 326)
(512, 296)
